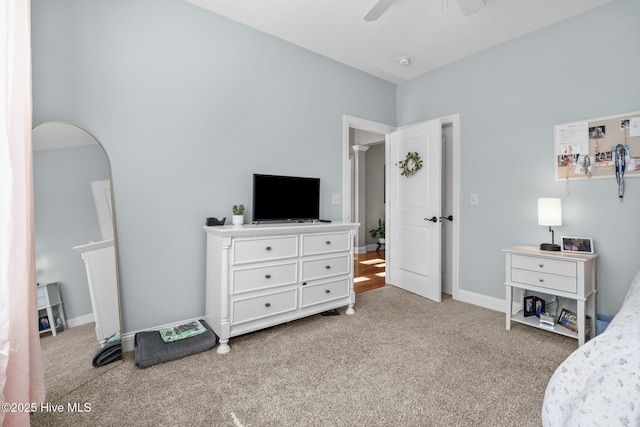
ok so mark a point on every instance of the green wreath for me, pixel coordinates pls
(411, 164)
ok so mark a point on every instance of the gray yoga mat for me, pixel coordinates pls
(151, 350)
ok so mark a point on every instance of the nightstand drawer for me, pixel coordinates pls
(265, 249)
(254, 308)
(325, 267)
(550, 266)
(249, 279)
(324, 243)
(543, 280)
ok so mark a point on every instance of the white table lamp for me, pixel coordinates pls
(550, 214)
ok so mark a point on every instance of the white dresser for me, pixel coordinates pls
(100, 262)
(261, 275)
(568, 275)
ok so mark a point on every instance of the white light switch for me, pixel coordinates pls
(335, 199)
(473, 199)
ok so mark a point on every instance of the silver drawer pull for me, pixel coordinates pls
(268, 248)
(267, 276)
(268, 305)
(541, 265)
(328, 267)
(328, 242)
(541, 280)
(327, 291)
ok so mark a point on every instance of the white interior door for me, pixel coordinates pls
(415, 206)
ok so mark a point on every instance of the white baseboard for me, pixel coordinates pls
(81, 320)
(128, 343)
(480, 300)
(367, 248)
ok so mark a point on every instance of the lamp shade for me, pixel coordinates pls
(549, 211)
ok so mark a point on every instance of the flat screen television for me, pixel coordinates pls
(285, 198)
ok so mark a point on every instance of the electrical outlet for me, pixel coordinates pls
(335, 199)
(473, 199)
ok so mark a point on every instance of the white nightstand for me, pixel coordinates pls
(567, 275)
(50, 306)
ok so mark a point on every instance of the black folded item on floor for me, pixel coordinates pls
(111, 351)
(151, 350)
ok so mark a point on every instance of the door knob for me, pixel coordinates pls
(450, 218)
(434, 219)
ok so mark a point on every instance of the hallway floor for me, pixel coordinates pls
(368, 271)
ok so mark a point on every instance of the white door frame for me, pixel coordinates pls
(347, 180)
(347, 174)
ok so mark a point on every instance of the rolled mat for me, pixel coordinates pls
(107, 354)
(111, 351)
(151, 350)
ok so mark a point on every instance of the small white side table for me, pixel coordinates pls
(49, 301)
(568, 275)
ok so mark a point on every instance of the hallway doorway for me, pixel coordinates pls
(368, 271)
(450, 202)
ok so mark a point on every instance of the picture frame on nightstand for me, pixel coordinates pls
(582, 245)
(528, 306)
(539, 306)
(568, 319)
(44, 323)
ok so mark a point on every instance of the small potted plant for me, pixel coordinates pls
(378, 232)
(238, 214)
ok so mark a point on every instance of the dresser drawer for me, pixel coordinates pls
(323, 292)
(325, 267)
(271, 248)
(258, 307)
(550, 266)
(249, 279)
(313, 244)
(544, 280)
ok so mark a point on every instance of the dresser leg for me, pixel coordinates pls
(224, 348)
(52, 321)
(509, 300)
(582, 320)
(350, 309)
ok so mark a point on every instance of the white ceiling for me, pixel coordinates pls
(432, 33)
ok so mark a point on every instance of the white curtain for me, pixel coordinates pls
(21, 376)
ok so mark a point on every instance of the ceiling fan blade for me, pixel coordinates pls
(469, 7)
(377, 10)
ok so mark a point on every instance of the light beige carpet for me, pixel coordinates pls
(401, 360)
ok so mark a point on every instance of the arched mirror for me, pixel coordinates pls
(76, 268)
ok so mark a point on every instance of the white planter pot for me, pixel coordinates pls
(237, 219)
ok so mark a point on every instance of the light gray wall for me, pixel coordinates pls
(509, 98)
(374, 190)
(65, 216)
(188, 105)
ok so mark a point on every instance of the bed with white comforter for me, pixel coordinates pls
(599, 383)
